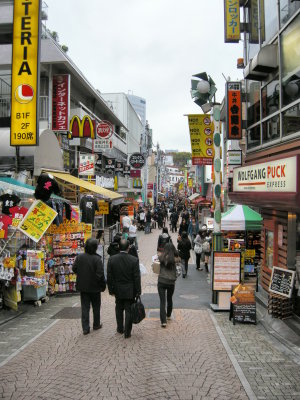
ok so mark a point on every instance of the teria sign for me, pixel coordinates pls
(104, 130)
(273, 176)
(24, 129)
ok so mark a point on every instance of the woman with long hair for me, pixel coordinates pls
(184, 246)
(166, 282)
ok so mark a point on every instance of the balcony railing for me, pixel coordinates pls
(5, 107)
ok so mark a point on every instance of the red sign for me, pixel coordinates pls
(105, 130)
(202, 161)
(60, 102)
(234, 111)
(135, 173)
(150, 186)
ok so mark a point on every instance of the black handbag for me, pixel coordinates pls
(137, 311)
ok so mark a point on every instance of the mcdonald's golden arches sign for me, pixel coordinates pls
(82, 128)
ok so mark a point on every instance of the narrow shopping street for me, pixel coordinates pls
(200, 355)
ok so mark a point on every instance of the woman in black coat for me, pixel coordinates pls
(90, 282)
(184, 246)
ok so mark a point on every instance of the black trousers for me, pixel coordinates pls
(86, 300)
(174, 226)
(185, 265)
(164, 289)
(198, 259)
(121, 306)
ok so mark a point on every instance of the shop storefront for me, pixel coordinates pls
(273, 187)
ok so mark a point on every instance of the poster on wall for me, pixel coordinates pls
(86, 164)
(226, 270)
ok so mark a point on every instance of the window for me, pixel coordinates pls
(271, 129)
(270, 98)
(290, 50)
(253, 103)
(269, 248)
(287, 9)
(253, 137)
(269, 20)
(291, 120)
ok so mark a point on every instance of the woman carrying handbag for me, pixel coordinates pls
(166, 281)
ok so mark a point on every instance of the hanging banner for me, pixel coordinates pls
(119, 167)
(24, 130)
(82, 128)
(201, 134)
(110, 164)
(234, 110)
(232, 21)
(126, 170)
(60, 102)
(37, 220)
(86, 164)
(135, 173)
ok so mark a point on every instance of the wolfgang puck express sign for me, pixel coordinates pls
(25, 73)
(273, 176)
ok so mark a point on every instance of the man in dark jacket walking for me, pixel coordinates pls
(90, 282)
(124, 282)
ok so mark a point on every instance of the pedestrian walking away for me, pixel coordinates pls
(198, 250)
(124, 282)
(184, 246)
(163, 239)
(166, 281)
(90, 283)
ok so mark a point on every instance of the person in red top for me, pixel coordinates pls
(4, 222)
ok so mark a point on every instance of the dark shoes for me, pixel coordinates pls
(127, 336)
(183, 275)
(86, 332)
(121, 331)
(97, 327)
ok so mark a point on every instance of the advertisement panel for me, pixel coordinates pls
(201, 134)
(232, 21)
(234, 110)
(273, 176)
(103, 208)
(86, 164)
(24, 130)
(234, 157)
(226, 270)
(37, 220)
(104, 130)
(137, 160)
(60, 102)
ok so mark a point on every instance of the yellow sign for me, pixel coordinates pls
(9, 262)
(37, 220)
(190, 183)
(232, 21)
(201, 133)
(25, 74)
(103, 207)
(80, 128)
(250, 253)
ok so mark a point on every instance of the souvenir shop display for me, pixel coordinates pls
(63, 243)
(9, 200)
(88, 207)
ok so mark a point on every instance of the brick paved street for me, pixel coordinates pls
(200, 355)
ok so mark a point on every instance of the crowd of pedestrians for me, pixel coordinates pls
(123, 276)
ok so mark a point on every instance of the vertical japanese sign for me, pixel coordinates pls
(37, 220)
(234, 110)
(254, 21)
(60, 102)
(232, 21)
(24, 130)
(201, 134)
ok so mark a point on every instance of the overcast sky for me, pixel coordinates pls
(150, 48)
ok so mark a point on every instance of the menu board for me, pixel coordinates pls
(226, 270)
(282, 281)
(244, 304)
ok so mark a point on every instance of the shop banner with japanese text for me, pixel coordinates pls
(60, 102)
(201, 134)
(232, 21)
(37, 220)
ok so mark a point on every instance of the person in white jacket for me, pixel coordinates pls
(132, 233)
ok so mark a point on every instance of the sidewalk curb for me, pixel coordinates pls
(234, 361)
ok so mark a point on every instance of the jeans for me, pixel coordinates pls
(86, 300)
(121, 306)
(162, 289)
(185, 266)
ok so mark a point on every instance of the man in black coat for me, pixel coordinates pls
(90, 282)
(124, 282)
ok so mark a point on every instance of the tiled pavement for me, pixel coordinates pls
(199, 356)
